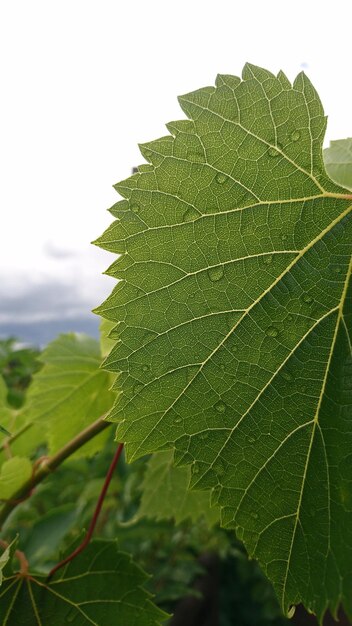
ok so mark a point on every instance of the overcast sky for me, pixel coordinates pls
(83, 82)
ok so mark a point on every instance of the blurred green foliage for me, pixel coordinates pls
(17, 366)
(60, 507)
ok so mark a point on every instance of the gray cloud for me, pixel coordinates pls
(45, 301)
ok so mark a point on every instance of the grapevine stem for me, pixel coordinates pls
(94, 519)
(49, 465)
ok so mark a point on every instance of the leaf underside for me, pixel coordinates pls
(234, 324)
(101, 587)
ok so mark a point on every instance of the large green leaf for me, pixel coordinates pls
(100, 587)
(70, 391)
(234, 312)
(338, 161)
(166, 493)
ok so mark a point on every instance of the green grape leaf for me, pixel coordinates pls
(234, 306)
(6, 412)
(5, 559)
(70, 391)
(101, 586)
(14, 472)
(338, 161)
(25, 436)
(166, 493)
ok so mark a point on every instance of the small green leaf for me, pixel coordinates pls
(70, 391)
(101, 586)
(166, 493)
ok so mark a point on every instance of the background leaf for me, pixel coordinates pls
(234, 312)
(71, 391)
(14, 472)
(166, 493)
(101, 586)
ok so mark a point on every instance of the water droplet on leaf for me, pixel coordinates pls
(295, 135)
(190, 215)
(268, 259)
(219, 467)
(273, 152)
(307, 299)
(271, 331)
(221, 178)
(239, 532)
(71, 616)
(216, 273)
(195, 157)
(220, 406)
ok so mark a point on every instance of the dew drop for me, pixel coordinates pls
(220, 407)
(195, 157)
(145, 368)
(272, 152)
(138, 388)
(221, 178)
(135, 207)
(190, 215)
(287, 376)
(71, 616)
(239, 532)
(295, 135)
(219, 467)
(268, 259)
(307, 299)
(216, 273)
(271, 331)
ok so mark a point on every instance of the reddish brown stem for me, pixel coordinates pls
(94, 520)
